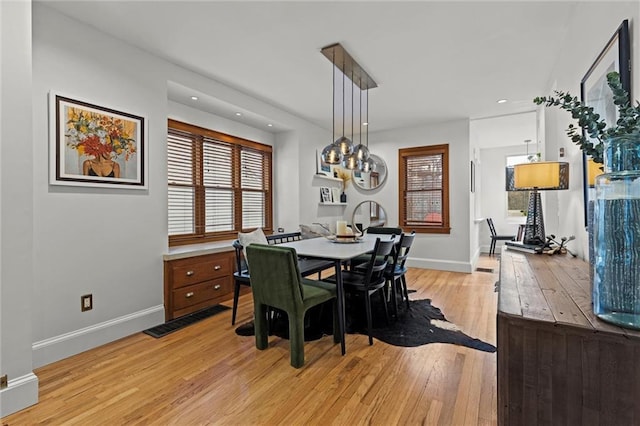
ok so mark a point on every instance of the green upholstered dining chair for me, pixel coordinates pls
(276, 282)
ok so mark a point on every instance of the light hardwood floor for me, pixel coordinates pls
(206, 374)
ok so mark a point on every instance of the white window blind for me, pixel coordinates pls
(181, 184)
(218, 184)
(424, 190)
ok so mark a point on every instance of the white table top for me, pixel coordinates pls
(326, 249)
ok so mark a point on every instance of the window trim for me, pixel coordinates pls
(405, 153)
(200, 236)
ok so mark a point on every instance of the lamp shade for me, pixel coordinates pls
(545, 175)
(593, 171)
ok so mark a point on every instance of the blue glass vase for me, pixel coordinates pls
(616, 234)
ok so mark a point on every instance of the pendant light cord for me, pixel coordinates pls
(333, 99)
(367, 117)
(343, 112)
(360, 118)
(352, 105)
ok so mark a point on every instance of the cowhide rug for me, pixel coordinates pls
(419, 325)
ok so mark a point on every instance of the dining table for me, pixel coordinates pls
(339, 252)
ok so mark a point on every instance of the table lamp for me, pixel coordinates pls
(593, 171)
(539, 176)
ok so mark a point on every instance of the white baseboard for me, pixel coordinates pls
(65, 345)
(19, 394)
(474, 259)
(441, 265)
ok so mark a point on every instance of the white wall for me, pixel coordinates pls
(588, 34)
(493, 195)
(16, 217)
(109, 242)
(106, 242)
(187, 114)
(438, 251)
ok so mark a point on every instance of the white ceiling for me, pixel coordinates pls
(433, 61)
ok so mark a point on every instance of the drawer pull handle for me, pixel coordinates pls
(190, 273)
(217, 268)
(188, 295)
(217, 287)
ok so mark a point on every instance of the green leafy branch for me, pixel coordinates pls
(595, 127)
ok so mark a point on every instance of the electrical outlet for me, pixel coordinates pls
(86, 302)
(4, 382)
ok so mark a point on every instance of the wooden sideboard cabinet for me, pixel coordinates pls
(194, 283)
(558, 364)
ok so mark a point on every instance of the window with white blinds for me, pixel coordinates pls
(218, 185)
(424, 188)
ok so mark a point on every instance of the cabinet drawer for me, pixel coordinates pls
(198, 293)
(200, 269)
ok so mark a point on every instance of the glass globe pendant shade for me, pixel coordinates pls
(362, 152)
(367, 165)
(350, 162)
(364, 166)
(345, 145)
(331, 154)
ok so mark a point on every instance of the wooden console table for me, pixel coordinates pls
(557, 363)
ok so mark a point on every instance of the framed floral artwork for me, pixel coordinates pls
(92, 145)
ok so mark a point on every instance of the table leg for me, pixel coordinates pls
(340, 299)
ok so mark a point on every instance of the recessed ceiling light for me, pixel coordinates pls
(365, 124)
(502, 101)
(195, 98)
(269, 125)
(238, 114)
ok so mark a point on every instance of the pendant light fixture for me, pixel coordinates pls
(362, 151)
(343, 142)
(342, 150)
(350, 162)
(332, 154)
(367, 165)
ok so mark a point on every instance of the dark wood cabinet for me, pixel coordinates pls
(197, 282)
(558, 364)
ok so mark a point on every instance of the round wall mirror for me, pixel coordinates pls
(367, 214)
(374, 178)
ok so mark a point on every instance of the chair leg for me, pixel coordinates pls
(403, 281)
(236, 295)
(367, 305)
(261, 328)
(394, 296)
(386, 310)
(296, 339)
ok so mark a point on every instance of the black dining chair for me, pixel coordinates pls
(371, 280)
(495, 237)
(396, 270)
(240, 278)
(374, 230)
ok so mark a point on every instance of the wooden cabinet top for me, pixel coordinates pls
(553, 289)
(182, 252)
